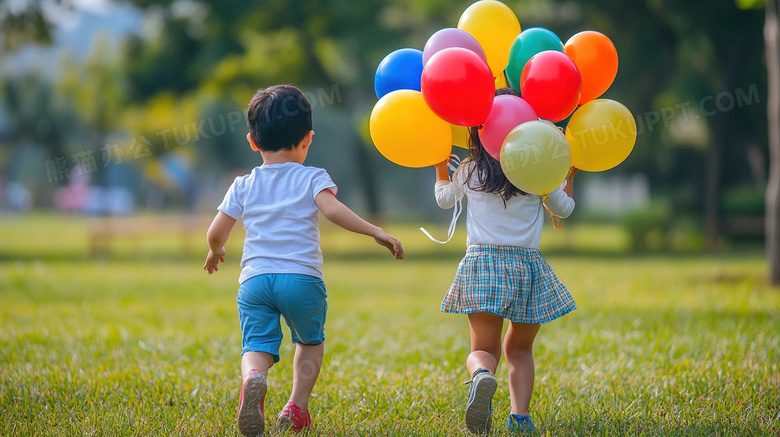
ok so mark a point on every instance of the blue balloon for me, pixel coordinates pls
(400, 70)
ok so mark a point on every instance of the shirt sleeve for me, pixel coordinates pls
(233, 203)
(448, 193)
(559, 202)
(321, 181)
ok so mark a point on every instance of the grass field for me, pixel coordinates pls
(145, 343)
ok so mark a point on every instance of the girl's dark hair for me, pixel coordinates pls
(279, 117)
(490, 176)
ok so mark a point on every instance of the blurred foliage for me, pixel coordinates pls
(743, 200)
(648, 227)
(198, 62)
(25, 22)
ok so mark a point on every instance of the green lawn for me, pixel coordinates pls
(144, 342)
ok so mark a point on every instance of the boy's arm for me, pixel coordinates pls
(338, 213)
(216, 237)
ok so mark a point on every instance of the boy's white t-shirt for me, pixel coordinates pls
(276, 204)
(488, 221)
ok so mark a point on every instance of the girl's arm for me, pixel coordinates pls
(569, 188)
(441, 171)
(560, 200)
(340, 214)
(447, 193)
(216, 237)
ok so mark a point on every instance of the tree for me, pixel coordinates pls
(772, 195)
(23, 23)
(772, 41)
(333, 47)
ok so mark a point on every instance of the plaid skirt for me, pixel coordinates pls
(515, 283)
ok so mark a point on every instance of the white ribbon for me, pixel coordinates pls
(452, 165)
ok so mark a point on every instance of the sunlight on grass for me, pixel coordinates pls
(143, 342)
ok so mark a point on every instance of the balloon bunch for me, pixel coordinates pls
(428, 98)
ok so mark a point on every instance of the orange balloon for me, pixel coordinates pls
(596, 58)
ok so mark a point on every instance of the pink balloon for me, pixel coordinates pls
(451, 37)
(507, 113)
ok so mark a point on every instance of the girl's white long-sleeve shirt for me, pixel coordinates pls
(519, 224)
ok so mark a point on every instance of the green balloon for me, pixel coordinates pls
(530, 42)
(535, 157)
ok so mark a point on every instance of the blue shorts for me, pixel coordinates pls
(301, 299)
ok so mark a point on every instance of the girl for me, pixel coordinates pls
(502, 276)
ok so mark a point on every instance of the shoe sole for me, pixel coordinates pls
(478, 410)
(251, 421)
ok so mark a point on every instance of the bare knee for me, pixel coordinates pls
(519, 339)
(513, 350)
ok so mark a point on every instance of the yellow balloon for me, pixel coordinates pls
(535, 157)
(601, 134)
(495, 27)
(460, 136)
(501, 81)
(407, 132)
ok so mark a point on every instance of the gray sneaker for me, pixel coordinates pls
(479, 406)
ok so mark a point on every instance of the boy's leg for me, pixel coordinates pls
(251, 411)
(302, 300)
(518, 351)
(306, 369)
(261, 361)
(260, 336)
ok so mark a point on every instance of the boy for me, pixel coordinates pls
(281, 267)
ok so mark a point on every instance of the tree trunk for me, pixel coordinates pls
(772, 40)
(723, 124)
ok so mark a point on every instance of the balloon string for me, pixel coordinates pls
(452, 165)
(451, 230)
(454, 162)
(556, 220)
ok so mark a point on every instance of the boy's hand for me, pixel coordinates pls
(213, 259)
(391, 243)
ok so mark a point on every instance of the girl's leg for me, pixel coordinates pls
(485, 353)
(518, 352)
(485, 342)
(261, 361)
(306, 369)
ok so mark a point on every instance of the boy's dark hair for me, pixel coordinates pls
(279, 117)
(490, 176)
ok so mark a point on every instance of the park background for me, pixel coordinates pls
(121, 126)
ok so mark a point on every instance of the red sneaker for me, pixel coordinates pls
(251, 418)
(292, 418)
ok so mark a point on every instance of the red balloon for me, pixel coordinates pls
(458, 86)
(552, 84)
